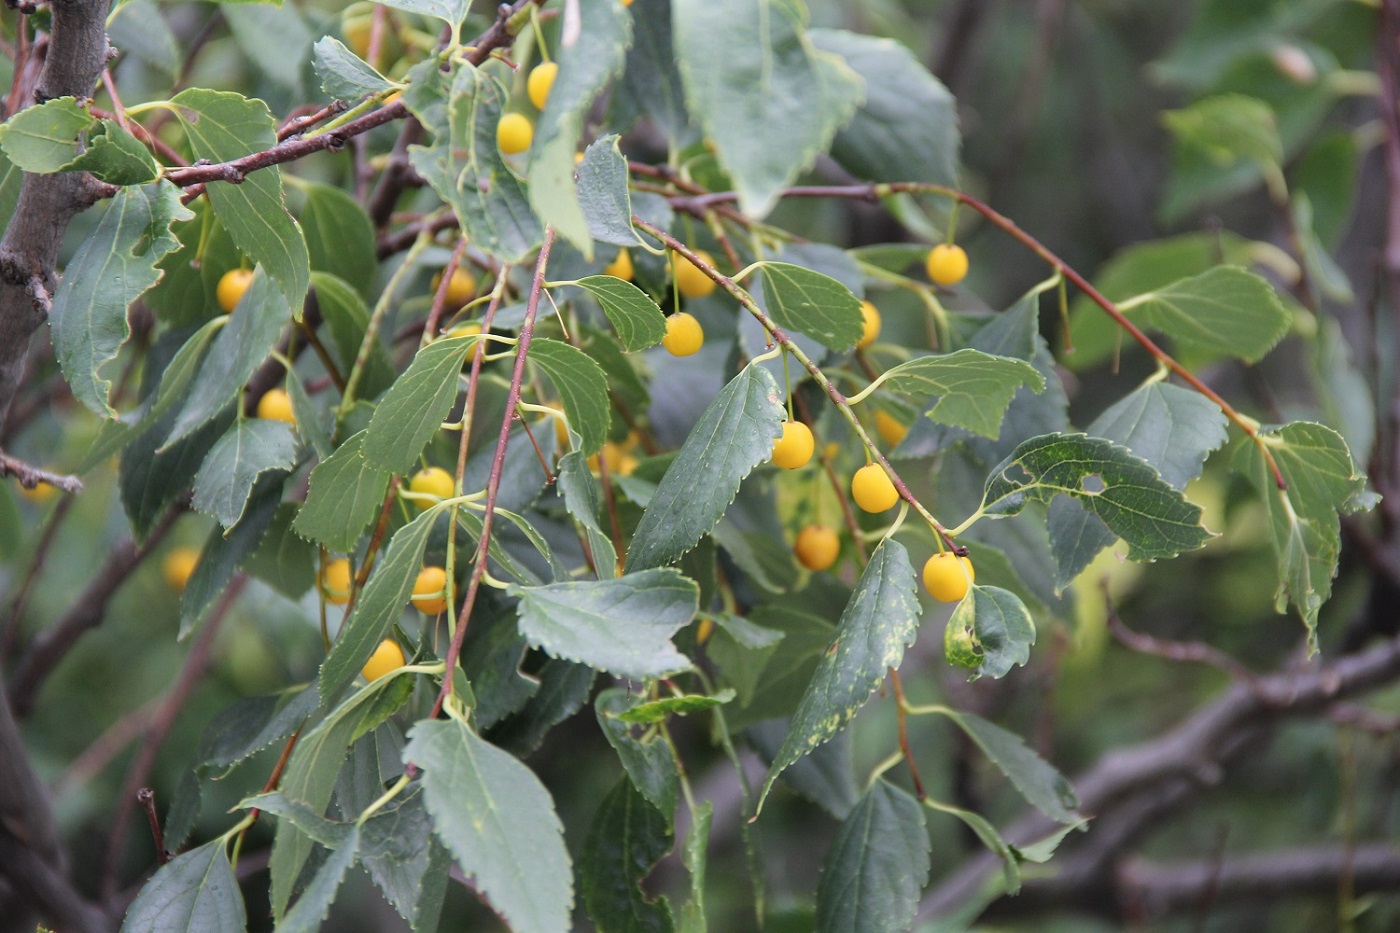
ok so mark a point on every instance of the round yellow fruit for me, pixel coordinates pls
(434, 481)
(616, 457)
(540, 82)
(890, 428)
(870, 324)
(231, 287)
(817, 547)
(460, 288)
(430, 590)
(947, 264)
(335, 581)
(621, 267)
(794, 448)
(465, 330)
(684, 335)
(388, 657)
(872, 489)
(42, 492)
(178, 567)
(947, 577)
(276, 405)
(689, 279)
(514, 133)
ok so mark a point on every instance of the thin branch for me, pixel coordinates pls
(1195, 651)
(31, 476)
(10, 634)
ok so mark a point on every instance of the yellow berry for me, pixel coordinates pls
(831, 450)
(42, 492)
(947, 577)
(817, 547)
(460, 288)
(178, 566)
(387, 657)
(872, 489)
(231, 287)
(626, 2)
(540, 82)
(393, 98)
(870, 323)
(706, 628)
(514, 133)
(335, 581)
(947, 264)
(578, 158)
(430, 591)
(684, 335)
(276, 405)
(689, 279)
(890, 428)
(464, 330)
(794, 448)
(621, 266)
(619, 462)
(435, 482)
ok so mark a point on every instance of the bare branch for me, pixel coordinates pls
(31, 476)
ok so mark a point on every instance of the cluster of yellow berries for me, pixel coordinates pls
(514, 131)
(429, 597)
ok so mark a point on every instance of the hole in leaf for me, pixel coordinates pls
(1092, 484)
(1017, 475)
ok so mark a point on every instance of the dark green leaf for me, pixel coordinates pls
(651, 85)
(636, 318)
(629, 836)
(623, 626)
(195, 891)
(603, 194)
(751, 77)
(734, 435)
(582, 388)
(876, 627)
(974, 388)
(1124, 491)
(115, 264)
(116, 157)
(695, 855)
(581, 500)
(46, 137)
(648, 760)
(344, 496)
(347, 317)
(658, 710)
(152, 476)
(252, 447)
(379, 604)
(221, 126)
(1226, 311)
(343, 839)
(877, 865)
(499, 821)
(226, 551)
(1043, 787)
(413, 409)
(404, 858)
(344, 75)
(992, 631)
(811, 303)
(339, 236)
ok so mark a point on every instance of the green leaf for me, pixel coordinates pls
(116, 157)
(684, 705)
(46, 137)
(740, 651)
(993, 632)
(1225, 310)
(1323, 480)
(604, 195)
(811, 303)
(987, 833)
(781, 677)
(907, 128)
(344, 75)
(582, 388)
(499, 822)
(581, 501)
(628, 837)
(413, 409)
(876, 627)
(974, 388)
(405, 859)
(589, 57)
(347, 316)
(636, 318)
(312, 769)
(114, 266)
(283, 560)
(194, 891)
(138, 29)
(651, 85)
(1228, 127)
(1123, 490)
(339, 237)
(222, 126)
(451, 12)
(734, 435)
(1044, 788)
(343, 839)
(622, 626)
(878, 864)
(251, 724)
(379, 604)
(752, 76)
(249, 336)
(464, 166)
(647, 759)
(252, 447)
(226, 551)
(344, 495)
(1172, 428)
(695, 855)
(153, 477)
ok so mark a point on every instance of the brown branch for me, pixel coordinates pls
(31, 476)
(87, 611)
(1194, 651)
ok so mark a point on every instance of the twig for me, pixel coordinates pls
(31, 576)
(31, 476)
(493, 481)
(1196, 651)
(147, 798)
(161, 723)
